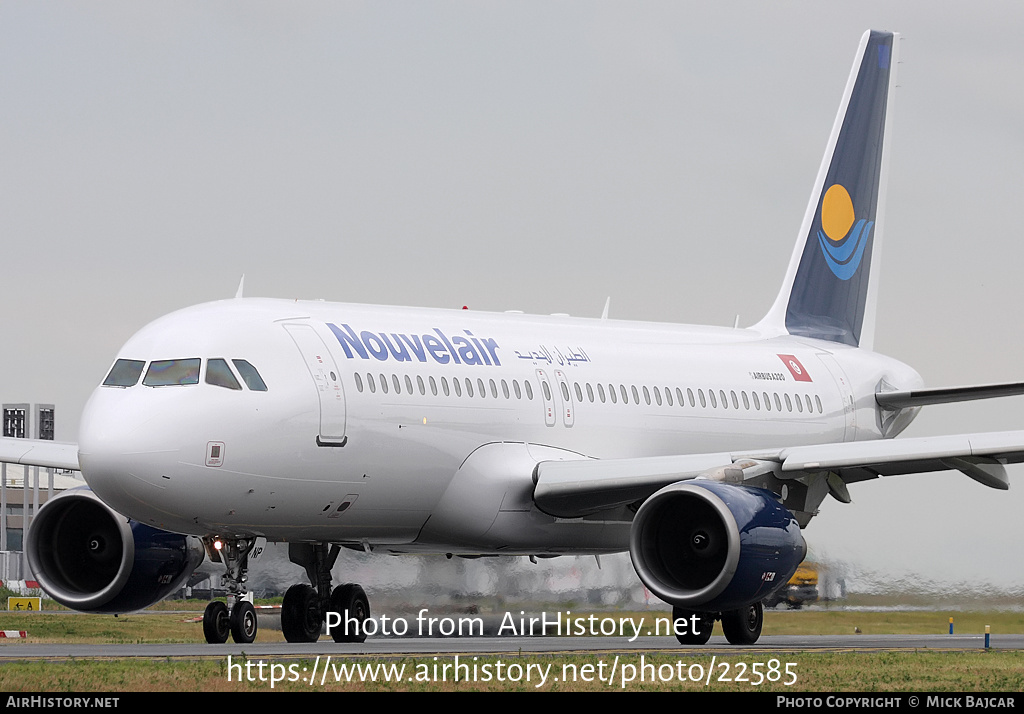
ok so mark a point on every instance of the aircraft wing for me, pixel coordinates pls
(39, 452)
(572, 489)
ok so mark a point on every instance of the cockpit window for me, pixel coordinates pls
(249, 375)
(124, 373)
(166, 372)
(219, 374)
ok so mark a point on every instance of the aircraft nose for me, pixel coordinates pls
(126, 450)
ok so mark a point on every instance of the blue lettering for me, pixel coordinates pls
(399, 353)
(404, 348)
(348, 340)
(379, 350)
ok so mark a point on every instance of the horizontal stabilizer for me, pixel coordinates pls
(923, 397)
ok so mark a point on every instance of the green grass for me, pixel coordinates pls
(813, 672)
(972, 671)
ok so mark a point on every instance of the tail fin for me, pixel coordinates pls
(830, 286)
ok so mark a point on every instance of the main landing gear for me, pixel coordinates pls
(305, 609)
(741, 627)
(237, 617)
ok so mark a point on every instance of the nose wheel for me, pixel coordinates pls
(237, 617)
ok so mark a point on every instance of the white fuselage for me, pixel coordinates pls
(363, 426)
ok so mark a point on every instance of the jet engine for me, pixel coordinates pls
(90, 558)
(709, 546)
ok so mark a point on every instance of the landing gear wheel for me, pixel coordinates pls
(300, 614)
(743, 626)
(705, 624)
(349, 601)
(243, 622)
(216, 623)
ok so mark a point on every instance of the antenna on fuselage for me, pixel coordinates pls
(607, 304)
(241, 286)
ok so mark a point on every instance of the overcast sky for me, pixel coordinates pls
(519, 155)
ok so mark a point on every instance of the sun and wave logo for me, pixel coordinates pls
(842, 237)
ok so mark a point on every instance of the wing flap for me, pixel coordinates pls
(898, 456)
(571, 489)
(39, 452)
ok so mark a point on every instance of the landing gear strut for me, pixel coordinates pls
(237, 617)
(305, 608)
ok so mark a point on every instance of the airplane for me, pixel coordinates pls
(703, 451)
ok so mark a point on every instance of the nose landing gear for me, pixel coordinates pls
(237, 617)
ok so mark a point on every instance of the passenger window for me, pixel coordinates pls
(372, 384)
(636, 394)
(746, 402)
(703, 402)
(398, 385)
(767, 401)
(408, 384)
(647, 395)
(624, 393)
(689, 393)
(810, 409)
(433, 386)
(789, 403)
(469, 387)
(757, 402)
(735, 402)
(172, 372)
(384, 384)
(611, 393)
(444, 386)
(219, 375)
(504, 388)
(422, 387)
(817, 400)
(668, 396)
(657, 395)
(249, 375)
(529, 390)
(359, 381)
(124, 373)
(778, 404)
(515, 388)
(458, 386)
(799, 404)
(481, 389)
(711, 397)
(590, 393)
(494, 389)
(579, 392)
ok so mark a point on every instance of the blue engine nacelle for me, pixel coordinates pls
(90, 558)
(709, 546)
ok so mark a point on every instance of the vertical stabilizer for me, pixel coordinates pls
(830, 286)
